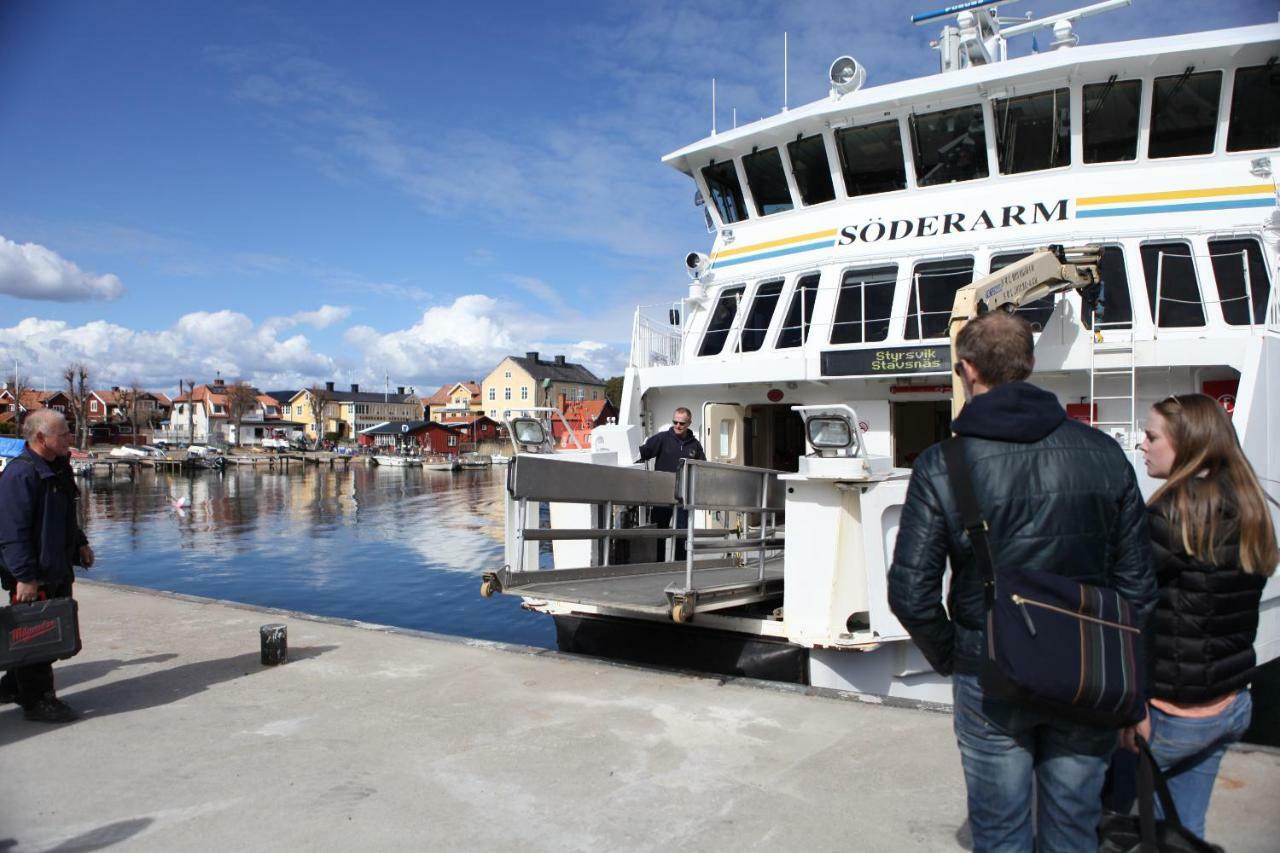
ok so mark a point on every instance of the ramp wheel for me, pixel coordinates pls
(682, 611)
(488, 587)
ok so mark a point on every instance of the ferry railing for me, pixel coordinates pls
(655, 342)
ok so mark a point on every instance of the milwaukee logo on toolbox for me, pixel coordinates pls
(35, 635)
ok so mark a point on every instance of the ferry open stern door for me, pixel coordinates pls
(723, 432)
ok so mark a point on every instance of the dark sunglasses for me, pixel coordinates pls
(681, 423)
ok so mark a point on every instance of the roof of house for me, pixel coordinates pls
(443, 396)
(584, 410)
(282, 396)
(557, 370)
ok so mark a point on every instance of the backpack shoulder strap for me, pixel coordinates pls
(970, 512)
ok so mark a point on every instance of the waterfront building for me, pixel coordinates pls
(531, 381)
(582, 416)
(455, 401)
(347, 412)
(426, 436)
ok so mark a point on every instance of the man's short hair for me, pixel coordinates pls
(999, 346)
(688, 414)
(42, 420)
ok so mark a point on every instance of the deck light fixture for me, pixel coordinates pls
(695, 263)
(846, 75)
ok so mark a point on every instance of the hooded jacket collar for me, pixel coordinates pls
(1015, 411)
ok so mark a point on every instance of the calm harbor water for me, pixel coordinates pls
(396, 546)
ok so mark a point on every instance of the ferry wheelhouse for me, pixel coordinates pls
(812, 348)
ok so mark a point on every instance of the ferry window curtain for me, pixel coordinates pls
(767, 181)
(865, 304)
(1184, 114)
(1111, 120)
(1033, 132)
(1036, 313)
(937, 283)
(871, 158)
(795, 329)
(721, 321)
(1114, 308)
(1237, 263)
(1172, 288)
(811, 170)
(759, 316)
(1255, 109)
(950, 145)
(726, 192)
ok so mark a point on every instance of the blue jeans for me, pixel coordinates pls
(1189, 750)
(1004, 748)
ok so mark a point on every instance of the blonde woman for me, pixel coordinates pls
(1215, 547)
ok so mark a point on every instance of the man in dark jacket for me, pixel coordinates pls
(1059, 496)
(40, 541)
(667, 449)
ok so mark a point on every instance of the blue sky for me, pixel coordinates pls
(289, 192)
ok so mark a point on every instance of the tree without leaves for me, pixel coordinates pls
(241, 400)
(127, 404)
(321, 397)
(76, 376)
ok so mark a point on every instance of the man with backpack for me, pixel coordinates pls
(1055, 496)
(40, 542)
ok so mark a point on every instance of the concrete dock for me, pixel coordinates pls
(375, 739)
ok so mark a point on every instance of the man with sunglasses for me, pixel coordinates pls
(667, 449)
(40, 542)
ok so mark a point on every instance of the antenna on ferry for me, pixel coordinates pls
(785, 94)
(713, 106)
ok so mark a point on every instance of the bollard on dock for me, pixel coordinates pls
(275, 644)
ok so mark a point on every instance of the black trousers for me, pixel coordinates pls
(660, 516)
(33, 682)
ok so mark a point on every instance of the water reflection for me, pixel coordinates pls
(399, 546)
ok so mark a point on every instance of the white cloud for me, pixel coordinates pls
(30, 271)
(323, 317)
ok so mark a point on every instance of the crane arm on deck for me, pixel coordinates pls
(1044, 272)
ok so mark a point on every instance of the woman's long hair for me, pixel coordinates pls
(1210, 479)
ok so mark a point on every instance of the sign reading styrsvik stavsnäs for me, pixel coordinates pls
(941, 224)
(887, 361)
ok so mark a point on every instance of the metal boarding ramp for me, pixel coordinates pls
(724, 567)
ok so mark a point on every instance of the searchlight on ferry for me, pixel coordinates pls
(695, 263)
(847, 75)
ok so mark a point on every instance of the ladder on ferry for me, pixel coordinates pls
(1113, 382)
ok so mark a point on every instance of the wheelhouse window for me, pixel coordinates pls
(864, 306)
(871, 158)
(1111, 120)
(1033, 132)
(795, 328)
(1255, 109)
(726, 192)
(1184, 114)
(721, 321)
(1172, 288)
(1036, 313)
(759, 315)
(811, 169)
(950, 145)
(767, 181)
(934, 285)
(1110, 306)
(1241, 274)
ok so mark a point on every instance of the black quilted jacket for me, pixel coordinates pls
(1206, 617)
(1059, 496)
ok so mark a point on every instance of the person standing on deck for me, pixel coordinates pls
(667, 449)
(40, 542)
(1060, 497)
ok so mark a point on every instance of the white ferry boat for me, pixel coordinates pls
(843, 229)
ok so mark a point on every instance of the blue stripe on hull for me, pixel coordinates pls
(1176, 208)
(808, 247)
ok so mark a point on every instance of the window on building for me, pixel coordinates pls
(524, 392)
(726, 192)
(1184, 114)
(1036, 313)
(759, 315)
(508, 374)
(949, 145)
(721, 321)
(1241, 274)
(871, 158)
(1172, 288)
(864, 306)
(493, 394)
(811, 169)
(493, 413)
(506, 393)
(219, 409)
(935, 284)
(453, 441)
(768, 182)
(362, 408)
(795, 326)
(1114, 306)
(1255, 109)
(1111, 120)
(1033, 132)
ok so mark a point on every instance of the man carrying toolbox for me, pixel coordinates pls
(40, 542)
